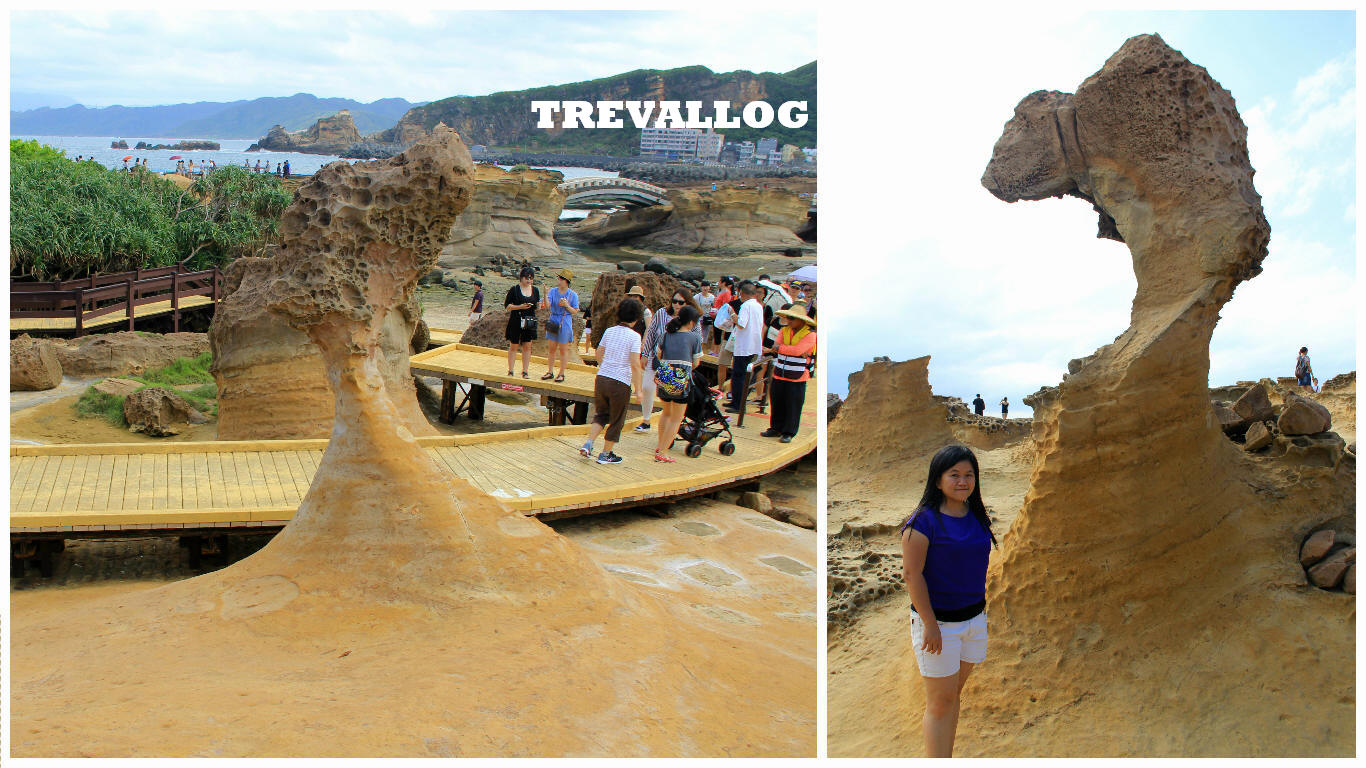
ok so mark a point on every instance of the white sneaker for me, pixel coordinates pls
(643, 427)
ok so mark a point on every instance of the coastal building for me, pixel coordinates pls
(680, 143)
(765, 146)
(744, 152)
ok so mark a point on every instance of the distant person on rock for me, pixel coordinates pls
(286, 169)
(477, 303)
(945, 543)
(563, 303)
(979, 406)
(618, 356)
(1005, 407)
(521, 304)
(1304, 372)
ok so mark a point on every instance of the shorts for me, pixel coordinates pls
(610, 398)
(725, 358)
(963, 641)
(566, 332)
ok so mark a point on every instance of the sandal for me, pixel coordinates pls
(665, 459)
(526, 375)
(548, 377)
(509, 371)
(559, 379)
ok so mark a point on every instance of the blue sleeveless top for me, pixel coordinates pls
(956, 561)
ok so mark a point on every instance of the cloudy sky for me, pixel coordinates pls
(1002, 296)
(138, 58)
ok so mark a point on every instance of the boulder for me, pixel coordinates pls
(661, 265)
(1254, 405)
(759, 502)
(802, 520)
(125, 352)
(630, 266)
(1231, 423)
(512, 215)
(118, 387)
(1315, 547)
(1258, 436)
(611, 287)
(606, 228)
(1302, 416)
(33, 365)
(692, 274)
(1329, 572)
(832, 406)
(156, 411)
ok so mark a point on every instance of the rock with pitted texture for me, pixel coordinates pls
(512, 215)
(611, 288)
(1112, 516)
(33, 366)
(126, 352)
(729, 220)
(156, 411)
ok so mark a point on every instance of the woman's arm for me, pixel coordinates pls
(636, 367)
(914, 547)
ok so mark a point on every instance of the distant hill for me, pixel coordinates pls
(505, 119)
(225, 120)
(21, 100)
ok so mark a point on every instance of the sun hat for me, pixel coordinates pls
(565, 273)
(636, 291)
(798, 310)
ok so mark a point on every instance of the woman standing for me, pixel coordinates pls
(945, 544)
(618, 372)
(653, 334)
(1005, 407)
(559, 327)
(678, 351)
(796, 354)
(521, 304)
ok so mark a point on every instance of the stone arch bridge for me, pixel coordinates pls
(608, 192)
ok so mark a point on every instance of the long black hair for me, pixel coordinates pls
(686, 314)
(933, 498)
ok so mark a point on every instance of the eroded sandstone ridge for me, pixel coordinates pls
(730, 219)
(423, 616)
(1142, 523)
(512, 214)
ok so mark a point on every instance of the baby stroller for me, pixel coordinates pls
(703, 420)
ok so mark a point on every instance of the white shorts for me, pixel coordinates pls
(963, 641)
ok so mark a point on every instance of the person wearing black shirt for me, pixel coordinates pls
(521, 303)
(979, 406)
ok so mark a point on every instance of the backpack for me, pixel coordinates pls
(1301, 366)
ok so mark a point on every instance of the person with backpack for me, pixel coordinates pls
(1304, 372)
(945, 543)
(795, 351)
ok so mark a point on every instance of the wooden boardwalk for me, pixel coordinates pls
(118, 317)
(79, 489)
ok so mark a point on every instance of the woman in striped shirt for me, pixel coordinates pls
(796, 356)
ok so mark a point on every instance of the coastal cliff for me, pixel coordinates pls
(512, 214)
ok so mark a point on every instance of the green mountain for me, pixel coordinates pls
(204, 119)
(505, 120)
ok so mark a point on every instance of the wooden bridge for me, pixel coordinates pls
(100, 301)
(203, 491)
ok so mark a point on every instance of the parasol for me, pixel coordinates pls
(126, 159)
(173, 157)
(806, 274)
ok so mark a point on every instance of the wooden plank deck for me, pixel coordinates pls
(104, 487)
(113, 318)
(465, 363)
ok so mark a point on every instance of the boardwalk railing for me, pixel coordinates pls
(88, 299)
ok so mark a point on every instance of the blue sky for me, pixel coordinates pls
(139, 58)
(1002, 296)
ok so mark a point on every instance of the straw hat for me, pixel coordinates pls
(565, 273)
(797, 310)
(636, 291)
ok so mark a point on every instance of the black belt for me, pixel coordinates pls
(958, 614)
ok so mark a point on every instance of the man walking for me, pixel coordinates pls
(979, 406)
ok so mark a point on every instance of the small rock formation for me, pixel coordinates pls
(1158, 148)
(890, 419)
(33, 366)
(513, 214)
(126, 352)
(118, 144)
(729, 220)
(332, 135)
(1302, 416)
(621, 226)
(118, 387)
(759, 502)
(611, 288)
(156, 411)
(183, 146)
(833, 403)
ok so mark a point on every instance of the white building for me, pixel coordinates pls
(766, 146)
(680, 143)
